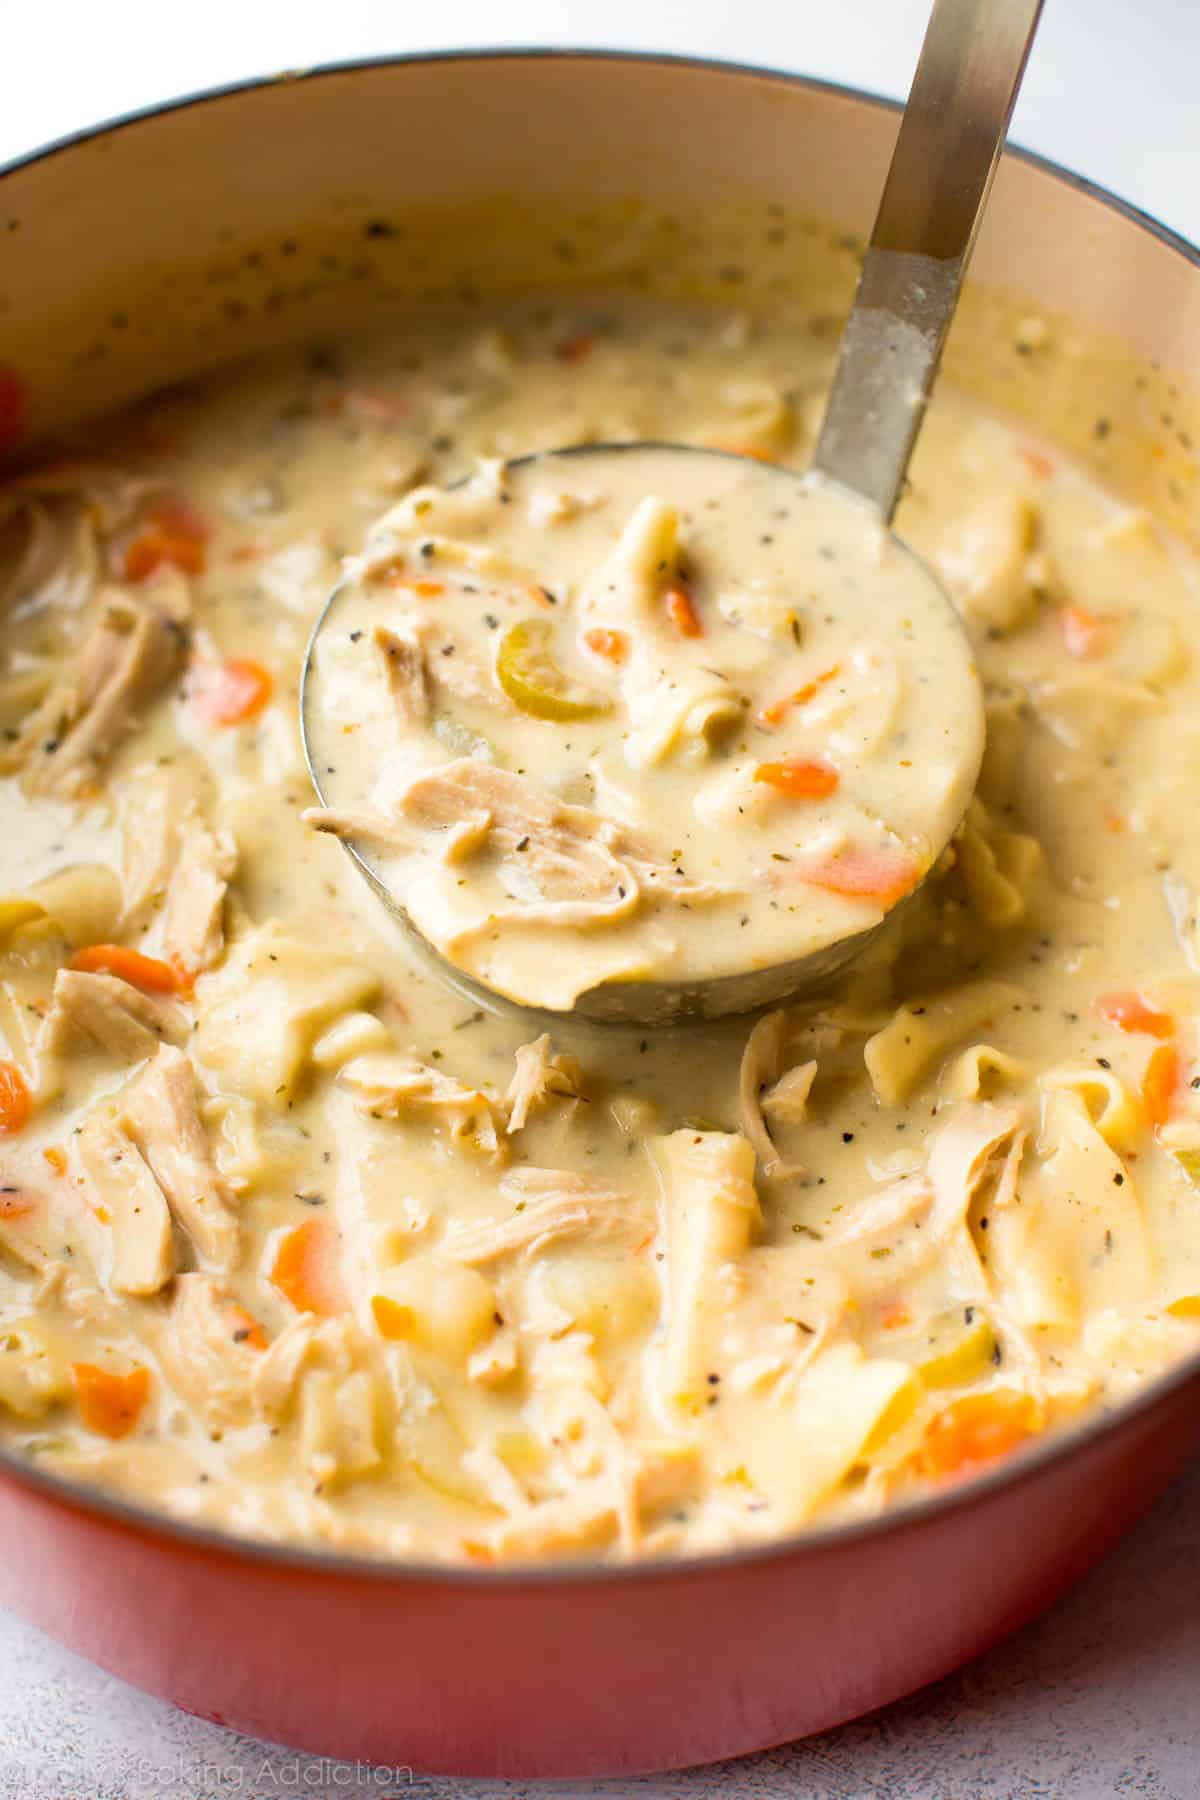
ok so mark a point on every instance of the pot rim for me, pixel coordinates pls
(211, 1542)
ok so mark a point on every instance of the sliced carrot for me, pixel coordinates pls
(152, 550)
(1084, 636)
(1159, 1084)
(145, 972)
(1130, 1012)
(391, 1319)
(246, 1328)
(778, 710)
(613, 646)
(305, 1270)
(682, 612)
(56, 1158)
(173, 533)
(426, 590)
(16, 1102)
(110, 1404)
(883, 875)
(975, 1431)
(799, 779)
(14, 409)
(576, 349)
(230, 693)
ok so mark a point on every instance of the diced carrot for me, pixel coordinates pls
(110, 1404)
(173, 532)
(682, 612)
(778, 710)
(306, 1271)
(14, 409)
(246, 1328)
(56, 1158)
(883, 875)
(426, 590)
(16, 1102)
(975, 1431)
(18, 1203)
(230, 693)
(1130, 1012)
(1036, 462)
(1159, 1084)
(799, 779)
(392, 1320)
(613, 646)
(145, 972)
(1084, 636)
(894, 1315)
(576, 349)
(152, 550)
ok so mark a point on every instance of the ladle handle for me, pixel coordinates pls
(950, 139)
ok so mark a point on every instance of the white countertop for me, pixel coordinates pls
(1101, 1697)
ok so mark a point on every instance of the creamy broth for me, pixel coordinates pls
(297, 1241)
(641, 717)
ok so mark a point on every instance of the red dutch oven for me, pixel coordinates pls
(162, 245)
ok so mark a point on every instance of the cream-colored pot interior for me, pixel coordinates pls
(329, 201)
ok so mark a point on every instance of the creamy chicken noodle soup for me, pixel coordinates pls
(636, 717)
(297, 1241)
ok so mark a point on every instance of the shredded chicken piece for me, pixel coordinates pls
(762, 1068)
(638, 1478)
(322, 1370)
(386, 1084)
(406, 673)
(193, 930)
(277, 1370)
(160, 1109)
(211, 1348)
(110, 495)
(787, 1100)
(121, 1190)
(550, 1204)
(539, 1077)
(562, 865)
(48, 551)
(96, 1011)
(174, 867)
(132, 650)
(885, 1211)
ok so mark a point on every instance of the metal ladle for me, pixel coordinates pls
(951, 134)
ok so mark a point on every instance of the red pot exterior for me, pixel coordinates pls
(583, 1674)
